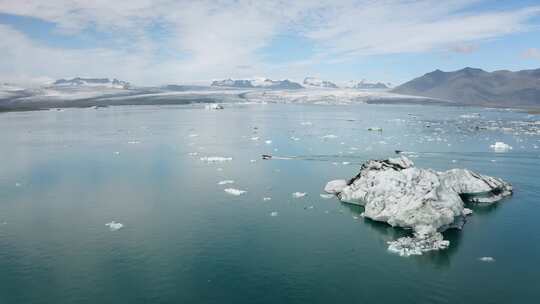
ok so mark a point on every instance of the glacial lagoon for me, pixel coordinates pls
(173, 204)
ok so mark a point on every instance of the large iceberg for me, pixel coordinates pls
(424, 200)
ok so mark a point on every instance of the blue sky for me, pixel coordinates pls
(165, 41)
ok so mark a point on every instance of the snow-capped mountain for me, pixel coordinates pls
(257, 83)
(315, 82)
(94, 82)
(365, 85)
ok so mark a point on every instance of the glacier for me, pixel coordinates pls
(424, 200)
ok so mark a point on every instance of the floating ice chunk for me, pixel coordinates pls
(255, 138)
(215, 159)
(18, 184)
(335, 186)
(486, 259)
(113, 226)
(267, 199)
(326, 196)
(274, 213)
(193, 153)
(235, 192)
(295, 138)
(213, 106)
(268, 142)
(306, 123)
(133, 142)
(345, 163)
(395, 192)
(226, 182)
(377, 129)
(193, 135)
(500, 147)
(299, 194)
(117, 153)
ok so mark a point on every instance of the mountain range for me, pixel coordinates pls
(471, 86)
(104, 82)
(257, 83)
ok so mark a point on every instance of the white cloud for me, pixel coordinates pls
(212, 39)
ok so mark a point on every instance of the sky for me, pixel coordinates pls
(151, 42)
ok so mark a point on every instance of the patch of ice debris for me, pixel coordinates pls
(215, 159)
(268, 142)
(113, 226)
(235, 192)
(267, 199)
(226, 182)
(273, 213)
(299, 194)
(486, 259)
(500, 147)
(429, 202)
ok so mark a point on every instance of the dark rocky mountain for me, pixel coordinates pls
(470, 86)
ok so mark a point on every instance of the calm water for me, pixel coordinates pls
(64, 175)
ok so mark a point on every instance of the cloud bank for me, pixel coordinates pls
(151, 41)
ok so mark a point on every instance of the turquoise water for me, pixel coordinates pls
(65, 174)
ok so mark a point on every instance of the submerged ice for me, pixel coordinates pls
(424, 200)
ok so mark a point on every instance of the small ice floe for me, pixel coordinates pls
(117, 153)
(500, 147)
(329, 136)
(226, 182)
(235, 192)
(299, 194)
(215, 159)
(255, 138)
(268, 142)
(267, 199)
(113, 226)
(213, 106)
(274, 213)
(470, 116)
(376, 129)
(467, 211)
(193, 153)
(326, 196)
(486, 259)
(306, 123)
(252, 160)
(295, 138)
(193, 135)
(345, 163)
(18, 184)
(133, 142)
